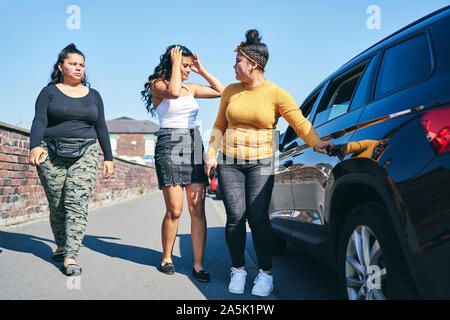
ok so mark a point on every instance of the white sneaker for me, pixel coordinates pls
(237, 282)
(263, 284)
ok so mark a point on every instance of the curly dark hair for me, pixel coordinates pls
(163, 71)
(56, 75)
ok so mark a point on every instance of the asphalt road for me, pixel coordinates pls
(121, 252)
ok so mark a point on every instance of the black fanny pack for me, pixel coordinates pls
(69, 147)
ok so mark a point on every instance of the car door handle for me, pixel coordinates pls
(288, 163)
(297, 154)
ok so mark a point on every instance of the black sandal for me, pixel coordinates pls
(167, 268)
(71, 270)
(202, 275)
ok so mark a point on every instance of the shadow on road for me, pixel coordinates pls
(146, 256)
(139, 255)
(297, 275)
(27, 243)
(215, 258)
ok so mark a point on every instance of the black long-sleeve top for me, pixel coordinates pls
(59, 116)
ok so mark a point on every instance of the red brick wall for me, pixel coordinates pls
(126, 148)
(22, 197)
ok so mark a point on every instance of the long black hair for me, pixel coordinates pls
(57, 76)
(162, 71)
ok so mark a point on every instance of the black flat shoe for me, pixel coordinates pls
(59, 256)
(202, 275)
(167, 268)
(71, 270)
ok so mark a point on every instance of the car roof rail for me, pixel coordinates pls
(428, 16)
(349, 62)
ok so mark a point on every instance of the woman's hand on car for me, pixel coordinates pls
(323, 147)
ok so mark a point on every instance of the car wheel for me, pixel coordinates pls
(371, 265)
(279, 244)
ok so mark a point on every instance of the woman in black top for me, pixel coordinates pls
(69, 111)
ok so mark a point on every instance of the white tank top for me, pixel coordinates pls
(178, 113)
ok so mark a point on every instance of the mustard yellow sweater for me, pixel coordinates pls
(247, 118)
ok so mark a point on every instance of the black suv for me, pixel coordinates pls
(378, 206)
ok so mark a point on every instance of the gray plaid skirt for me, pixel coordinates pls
(179, 157)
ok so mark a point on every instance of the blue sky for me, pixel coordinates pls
(122, 41)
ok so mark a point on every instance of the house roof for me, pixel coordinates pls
(128, 125)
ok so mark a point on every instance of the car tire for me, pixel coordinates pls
(279, 245)
(371, 264)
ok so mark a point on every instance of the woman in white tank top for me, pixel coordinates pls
(179, 150)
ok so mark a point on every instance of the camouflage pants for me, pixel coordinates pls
(68, 184)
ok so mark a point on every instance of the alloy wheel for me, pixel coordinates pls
(365, 271)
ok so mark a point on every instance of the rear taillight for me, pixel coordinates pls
(436, 126)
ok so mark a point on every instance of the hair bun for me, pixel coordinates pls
(71, 46)
(252, 37)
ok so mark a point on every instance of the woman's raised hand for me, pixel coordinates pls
(197, 65)
(176, 55)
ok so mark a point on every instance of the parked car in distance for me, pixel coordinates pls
(377, 208)
(214, 187)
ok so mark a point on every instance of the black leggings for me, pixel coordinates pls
(247, 189)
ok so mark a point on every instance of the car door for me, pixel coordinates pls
(282, 202)
(335, 120)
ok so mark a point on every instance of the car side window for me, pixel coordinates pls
(362, 94)
(308, 105)
(338, 99)
(403, 64)
(306, 108)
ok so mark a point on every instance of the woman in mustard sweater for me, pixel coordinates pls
(248, 113)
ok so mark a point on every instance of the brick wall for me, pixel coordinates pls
(126, 147)
(22, 197)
